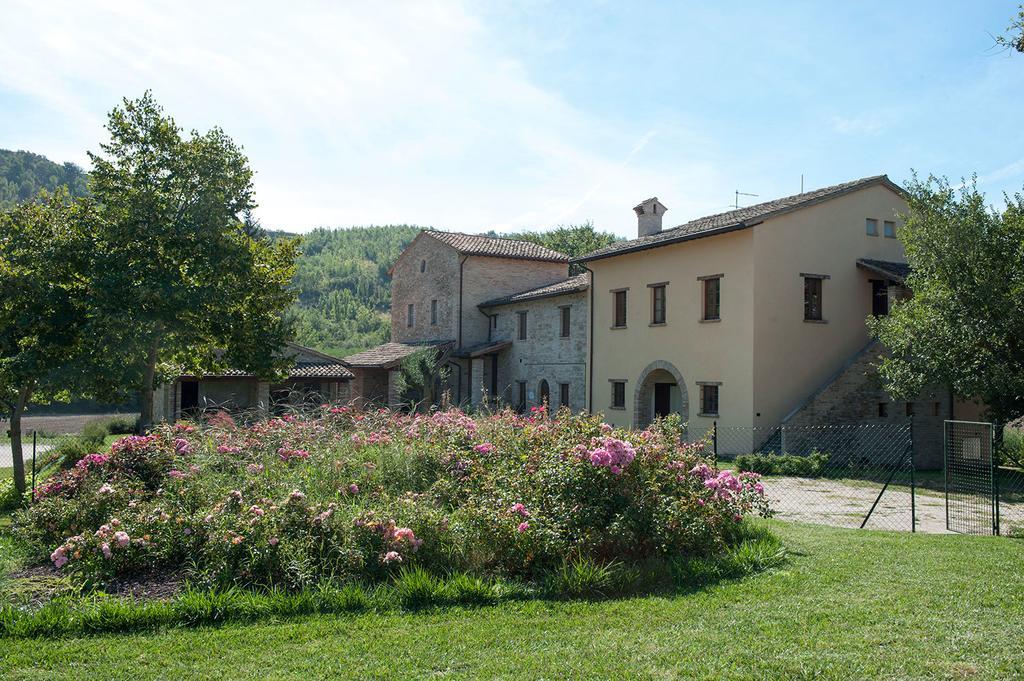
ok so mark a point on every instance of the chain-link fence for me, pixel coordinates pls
(970, 478)
(843, 475)
(45, 453)
(1010, 501)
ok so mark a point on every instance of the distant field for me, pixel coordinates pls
(60, 424)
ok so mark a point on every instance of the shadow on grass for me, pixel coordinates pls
(412, 589)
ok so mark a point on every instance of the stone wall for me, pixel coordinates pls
(544, 355)
(439, 281)
(489, 278)
(852, 396)
(369, 386)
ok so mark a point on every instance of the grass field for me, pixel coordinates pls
(848, 605)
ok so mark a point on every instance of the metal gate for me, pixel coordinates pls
(972, 498)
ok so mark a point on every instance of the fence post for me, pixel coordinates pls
(714, 440)
(995, 480)
(913, 487)
(782, 439)
(32, 499)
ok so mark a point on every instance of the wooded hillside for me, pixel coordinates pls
(344, 291)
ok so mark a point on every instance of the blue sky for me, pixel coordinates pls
(475, 116)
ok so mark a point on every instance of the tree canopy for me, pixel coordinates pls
(192, 287)
(45, 253)
(963, 327)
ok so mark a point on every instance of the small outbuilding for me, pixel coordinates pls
(314, 377)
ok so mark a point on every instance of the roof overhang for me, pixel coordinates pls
(481, 349)
(691, 236)
(880, 269)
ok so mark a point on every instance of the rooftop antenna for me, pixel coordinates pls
(736, 202)
(801, 183)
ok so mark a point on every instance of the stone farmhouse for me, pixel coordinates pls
(753, 317)
(506, 314)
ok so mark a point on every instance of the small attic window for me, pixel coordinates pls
(423, 265)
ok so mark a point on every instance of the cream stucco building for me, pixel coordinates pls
(752, 318)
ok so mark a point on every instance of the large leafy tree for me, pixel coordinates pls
(1013, 39)
(45, 252)
(421, 378)
(189, 284)
(964, 325)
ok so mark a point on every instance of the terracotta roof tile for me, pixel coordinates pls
(581, 282)
(899, 271)
(741, 218)
(496, 247)
(388, 355)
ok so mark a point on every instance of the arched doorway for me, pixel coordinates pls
(660, 391)
(545, 392)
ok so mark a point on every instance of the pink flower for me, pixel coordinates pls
(255, 468)
(353, 488)
(274, 541)
(122, 538)
(484, 448)
(106, 489)
(523, 526)
(105, 548)
(404, 534)
(181, 446)
(392, 557)
(59, 557)
(177, 475)
(520, 509)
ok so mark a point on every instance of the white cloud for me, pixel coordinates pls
(351, 114)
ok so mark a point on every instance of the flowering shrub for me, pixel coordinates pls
(357, 495)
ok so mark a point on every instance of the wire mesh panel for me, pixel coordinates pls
(1010, 500)
(971, 497)
(858, 475)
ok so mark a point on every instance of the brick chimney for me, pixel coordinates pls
(648, 216)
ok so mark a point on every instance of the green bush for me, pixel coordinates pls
(363, 497)
(1012, 452)
(121, 425)
(809, 466)
(9, 497)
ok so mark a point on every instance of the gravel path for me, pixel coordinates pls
(842, 504)
(6, 460)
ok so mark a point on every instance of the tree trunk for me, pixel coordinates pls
(17, 455)
(148, 385)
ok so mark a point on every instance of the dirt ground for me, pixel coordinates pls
(844, 504)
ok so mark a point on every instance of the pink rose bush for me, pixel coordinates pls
(359, 494)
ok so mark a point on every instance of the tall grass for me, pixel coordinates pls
(411, 589)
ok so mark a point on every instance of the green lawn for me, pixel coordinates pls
(848, 605)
